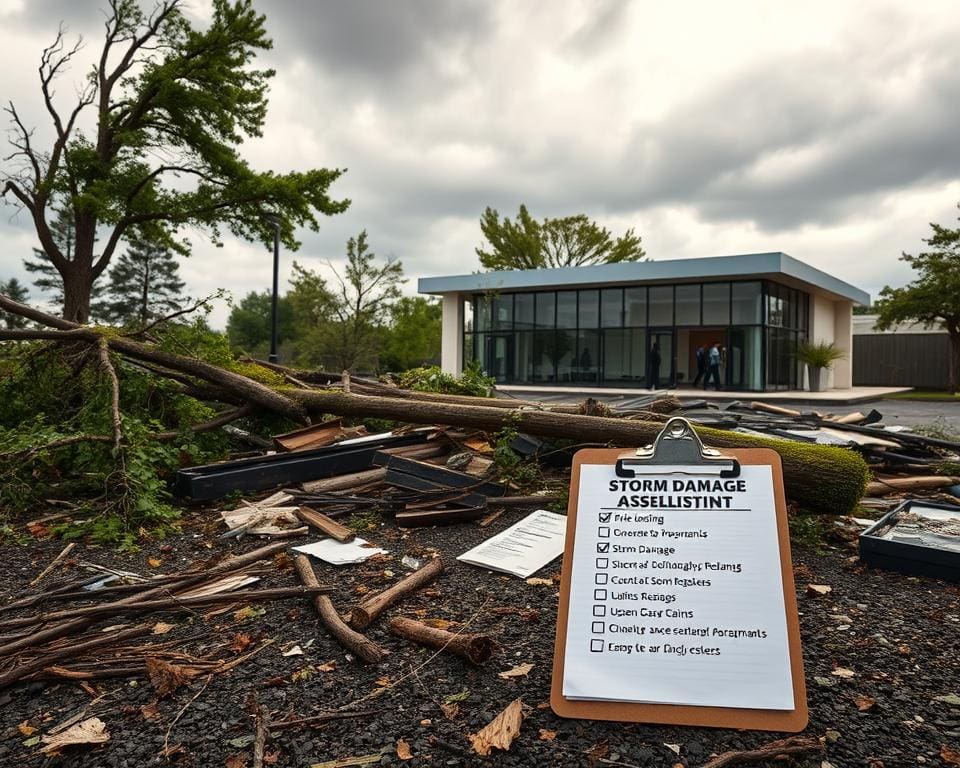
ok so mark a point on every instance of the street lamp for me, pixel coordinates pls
(274, 220)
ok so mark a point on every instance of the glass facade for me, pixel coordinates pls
(614, 336)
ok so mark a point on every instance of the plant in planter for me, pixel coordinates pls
(819, 358)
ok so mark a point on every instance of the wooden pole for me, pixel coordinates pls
(360, 646)
(888, 485)
(474, 648)
(325, 525)
(361, 616)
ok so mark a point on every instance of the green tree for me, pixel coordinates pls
(571, 241)
(248, 326)
(171, 104)
(17, 291)
(933, 298)
(144, 284)
(412, 339)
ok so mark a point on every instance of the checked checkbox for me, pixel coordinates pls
(603, 546)
(605, 517)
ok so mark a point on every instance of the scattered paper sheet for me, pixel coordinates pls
(336, 553)
(524, 548)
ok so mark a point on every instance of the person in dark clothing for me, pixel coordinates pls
(713, 366)
(654, 366)
(701, 364)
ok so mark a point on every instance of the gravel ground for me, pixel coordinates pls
(900, 635)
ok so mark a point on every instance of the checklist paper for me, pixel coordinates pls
(523, 548)
(676, 591)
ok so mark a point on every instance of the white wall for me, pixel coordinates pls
(451, 345)
(832, 321)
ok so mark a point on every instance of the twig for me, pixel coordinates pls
(793, 745)
(260, 737)
(172, 315)
(279, 725)
(46, 571)
(166, 738)
(114, 389)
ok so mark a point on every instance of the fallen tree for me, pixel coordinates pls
(823, 479)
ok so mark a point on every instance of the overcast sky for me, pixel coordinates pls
(827, 130)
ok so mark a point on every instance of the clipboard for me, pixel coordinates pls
(678, 448)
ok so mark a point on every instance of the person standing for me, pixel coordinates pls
(653, 366)
(713, 366)
(701, 363)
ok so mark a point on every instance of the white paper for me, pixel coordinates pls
(523, 548)
(337, 553)
(677, 605)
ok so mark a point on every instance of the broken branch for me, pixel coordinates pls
(475, 648)
(361, 616)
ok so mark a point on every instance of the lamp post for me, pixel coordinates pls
(274, 220)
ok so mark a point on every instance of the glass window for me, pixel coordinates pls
(544, 356)
(587, 362)
(503, 312)
(635, 306)
(746, 304)
(523, 311)
(468, 315)
(661, 305)
(611, 307)
(566, 309)
(589, 311)
(564, 354)
(468, 342)
(624, 356)
(524, 354)
(774, 305)
(716, 304)
(546, 310)
(688, 305)
(482, 312)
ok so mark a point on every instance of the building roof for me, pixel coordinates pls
(749, 265)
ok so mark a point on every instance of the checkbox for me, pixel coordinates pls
(603, 546)
(602, 562)
(603, 533)
(596, 646)
(605, 517)
(599, 594)
(601, 578)
(599, 610)
(597, 627)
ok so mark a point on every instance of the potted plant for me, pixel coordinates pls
(819, 358)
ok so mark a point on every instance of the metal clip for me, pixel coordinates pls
(677, 445)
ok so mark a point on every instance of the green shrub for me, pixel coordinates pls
(471, 382)
(819, 355)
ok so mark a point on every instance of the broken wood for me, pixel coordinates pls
(361, 616)
(794, 745)
(359, 645)
(475, 648)
(325, 525)
(46, 571)
(343, 482)
(888, 485)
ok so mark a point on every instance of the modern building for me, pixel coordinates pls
(595, 326)
(906, 355)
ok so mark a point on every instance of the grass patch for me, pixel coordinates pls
(364, 520)
(808, 530)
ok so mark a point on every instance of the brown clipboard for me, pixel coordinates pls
(793, 720)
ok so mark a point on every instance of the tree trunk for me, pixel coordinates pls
(77, 285)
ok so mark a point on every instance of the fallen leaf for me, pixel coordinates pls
(843, 673)
(598, 752)
(864, 703)
(521, 670)
(301, 675)
(540, 582)
(952, 699)
(241, 641)
(675, 748)
(241, 741)
(295, 650)
(546, 735)
(383, 682)
(37, 529)
(361, 589)
(831, 735)
(403, 750)
(450, 711)
(154, 562)
(328, 666)
(236, 761)
(457, 697)
(949, 756)
(249, 612)
(26, 729)
(818, 590)
(903, 650)
(426, 722)
(90, 731)
(166, 678)
(32, 741)
(150, 711)
(270, 758)
(282, 562)
(89, 688)
(161, 628)
(500, 732)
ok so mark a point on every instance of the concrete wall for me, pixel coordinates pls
(451, 346)
(832, 321)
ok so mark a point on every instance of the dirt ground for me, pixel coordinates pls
(899, 635)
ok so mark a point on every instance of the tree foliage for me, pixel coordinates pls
(933, 297)
(18, 292)
(172, 103)
(412, 339)
(248, 326)
(570, 241)
(144, 284)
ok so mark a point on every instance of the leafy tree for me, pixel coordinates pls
(172, 102)
(144, 284)
(571, 241)
(413, 338)
(933, 298)
(248, 327)
(18, 292)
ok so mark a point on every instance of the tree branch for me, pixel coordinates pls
(114, 390)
